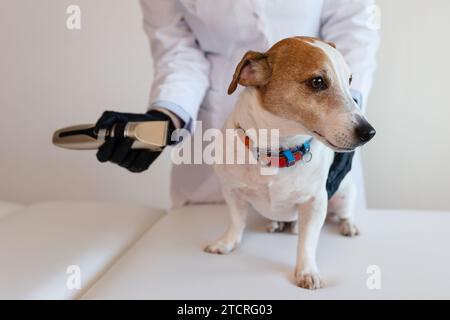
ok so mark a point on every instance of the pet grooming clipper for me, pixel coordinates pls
(150, 135)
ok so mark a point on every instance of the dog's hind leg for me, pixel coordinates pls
(342, 204)
(238, 215)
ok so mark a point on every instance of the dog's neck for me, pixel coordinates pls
(249, 114)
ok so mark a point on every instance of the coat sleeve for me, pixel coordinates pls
(349, 24)
(181, 70)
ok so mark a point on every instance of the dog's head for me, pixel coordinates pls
(308, 81)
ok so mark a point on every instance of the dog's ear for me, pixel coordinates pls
(253, 70)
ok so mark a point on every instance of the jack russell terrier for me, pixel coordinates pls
(301, 87)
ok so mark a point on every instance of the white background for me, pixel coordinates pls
(52, 77)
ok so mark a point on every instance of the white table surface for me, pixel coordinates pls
(410, 248)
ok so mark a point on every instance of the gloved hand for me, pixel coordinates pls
(118, 149)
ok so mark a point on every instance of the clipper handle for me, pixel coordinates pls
(150, 135)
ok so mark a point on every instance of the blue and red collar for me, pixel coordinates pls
(283, 158)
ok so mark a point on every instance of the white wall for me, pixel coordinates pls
(408, 164)
(52, 77)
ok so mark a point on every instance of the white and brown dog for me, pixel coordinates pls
(301, 87)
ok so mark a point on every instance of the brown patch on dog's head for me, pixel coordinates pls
(312, 39)
(305, 80)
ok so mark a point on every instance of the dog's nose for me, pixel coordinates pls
(364, 131)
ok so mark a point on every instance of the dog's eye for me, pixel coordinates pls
(350, 80)
(318, 83)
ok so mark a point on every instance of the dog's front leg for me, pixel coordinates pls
(310, 221)
(238, 215)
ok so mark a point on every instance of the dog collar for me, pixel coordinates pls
(284, 157)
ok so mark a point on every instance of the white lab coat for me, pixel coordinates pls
(196, 45)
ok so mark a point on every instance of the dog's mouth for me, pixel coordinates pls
(338, 149)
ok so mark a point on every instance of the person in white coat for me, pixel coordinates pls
(196, 45)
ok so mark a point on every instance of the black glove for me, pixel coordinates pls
(342, 164)
(118, 149)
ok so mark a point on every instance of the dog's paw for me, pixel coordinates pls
(281, 226)
(348, 229)
(309, 281)
(275, 226)
(220, 248)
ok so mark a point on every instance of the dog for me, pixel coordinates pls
(300, 86)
